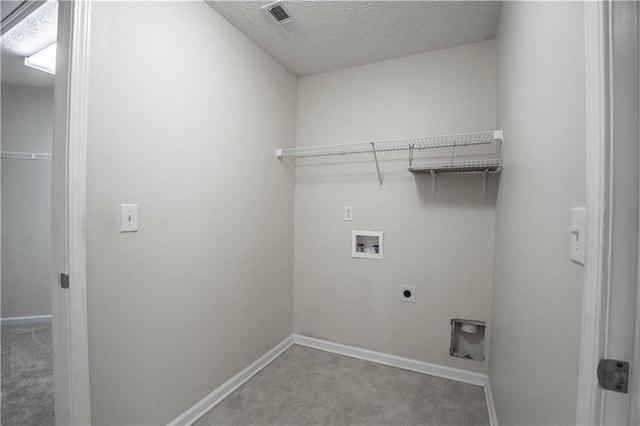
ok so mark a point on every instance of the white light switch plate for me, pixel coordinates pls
(128, 217)
(578, 234)
(348, 213)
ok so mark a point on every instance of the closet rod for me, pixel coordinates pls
(25, 155)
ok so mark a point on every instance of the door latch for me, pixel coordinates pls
(613, 375)
(64, 280)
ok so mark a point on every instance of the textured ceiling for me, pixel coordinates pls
(36, 31)
(340, 34)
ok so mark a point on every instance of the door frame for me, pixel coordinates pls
(593, 402)
(69, 306)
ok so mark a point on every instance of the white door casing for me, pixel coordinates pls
(623, 278)
(613, 191)
(70, 339)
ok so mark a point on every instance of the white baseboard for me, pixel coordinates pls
(493, 417)
(214, 398)
(456, 374)
(26, 320)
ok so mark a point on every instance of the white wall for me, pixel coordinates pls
(444, 246)
(537, 294)
(27, 126)
(185, 114)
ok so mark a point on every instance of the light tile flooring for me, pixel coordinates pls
(305, 386)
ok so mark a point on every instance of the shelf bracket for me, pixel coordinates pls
(410, 155)
(453, 151)
(434, 182)
(485, 173)
(375, 156)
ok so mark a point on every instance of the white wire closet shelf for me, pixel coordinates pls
(477, 152)
(470, 140)
(464, 166)
(25, 155)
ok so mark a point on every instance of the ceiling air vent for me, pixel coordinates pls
(282, 17)
(279, 13)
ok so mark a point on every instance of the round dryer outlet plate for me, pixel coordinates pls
(407, 294)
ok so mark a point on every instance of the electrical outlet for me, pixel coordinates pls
(407, 293)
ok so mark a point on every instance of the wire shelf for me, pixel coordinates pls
(478, 152)
(473, 142)
(468, 166)
(25, 155)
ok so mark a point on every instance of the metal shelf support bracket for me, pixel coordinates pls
(485, 173)
(375, 156)
(434, 183)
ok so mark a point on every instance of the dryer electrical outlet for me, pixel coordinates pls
(407, 294)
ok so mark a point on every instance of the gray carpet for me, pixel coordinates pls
(27, 375)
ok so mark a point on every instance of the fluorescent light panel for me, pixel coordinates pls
(43, 60)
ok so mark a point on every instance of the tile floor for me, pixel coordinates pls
(305, 386)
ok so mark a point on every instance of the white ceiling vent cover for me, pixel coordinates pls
(279, 13)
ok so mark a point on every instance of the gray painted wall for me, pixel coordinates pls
(537, 293)
(207, 284)
(27, 126)
(185, 114)
(444, 247)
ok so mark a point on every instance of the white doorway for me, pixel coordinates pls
(27, 142)
(64, 215)
(610, 317)
(70, 340)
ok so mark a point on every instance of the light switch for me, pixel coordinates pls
(578, 234)
(348, 213)
(128, 217)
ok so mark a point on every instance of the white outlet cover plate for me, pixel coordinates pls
(403, 298)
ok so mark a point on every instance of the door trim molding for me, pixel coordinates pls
(71, 354)
(589, 404)
(611, 45)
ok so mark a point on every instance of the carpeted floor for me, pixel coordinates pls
(27, 375)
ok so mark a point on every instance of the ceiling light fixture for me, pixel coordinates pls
(37, 30)
(44, 59)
